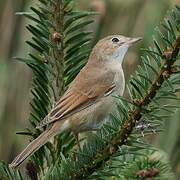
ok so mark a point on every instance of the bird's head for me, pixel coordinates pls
(114, 47)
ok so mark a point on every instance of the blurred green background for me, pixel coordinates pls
(130, 18)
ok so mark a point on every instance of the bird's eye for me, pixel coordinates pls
(115, 40)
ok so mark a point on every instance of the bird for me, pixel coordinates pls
(89, 98)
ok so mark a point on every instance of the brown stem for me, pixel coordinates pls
(56, 39)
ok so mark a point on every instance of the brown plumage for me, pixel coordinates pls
(88, 100)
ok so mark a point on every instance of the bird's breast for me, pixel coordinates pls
(119, 79)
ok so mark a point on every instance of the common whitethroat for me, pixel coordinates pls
(88, 100)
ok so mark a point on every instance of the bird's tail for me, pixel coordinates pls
(35, 145)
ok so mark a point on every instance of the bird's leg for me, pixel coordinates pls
(77, 139)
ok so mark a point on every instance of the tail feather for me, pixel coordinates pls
(34, 146)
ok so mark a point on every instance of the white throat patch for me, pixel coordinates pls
(120, 53)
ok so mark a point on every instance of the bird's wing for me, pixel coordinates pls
(85, 90)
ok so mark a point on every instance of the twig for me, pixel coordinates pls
(56, 39)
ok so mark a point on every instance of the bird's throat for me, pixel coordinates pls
(120, 53)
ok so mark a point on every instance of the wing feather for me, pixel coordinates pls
(83, 92)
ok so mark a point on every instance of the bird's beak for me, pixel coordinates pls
(131, 41)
